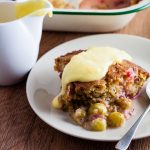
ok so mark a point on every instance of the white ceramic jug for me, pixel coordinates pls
(19, 41)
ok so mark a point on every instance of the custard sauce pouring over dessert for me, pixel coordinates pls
(98, 85)
(90, 65)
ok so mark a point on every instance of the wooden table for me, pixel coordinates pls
(21, 129)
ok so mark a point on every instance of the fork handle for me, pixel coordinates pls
(125, 141)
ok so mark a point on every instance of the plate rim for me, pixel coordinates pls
(55, 48)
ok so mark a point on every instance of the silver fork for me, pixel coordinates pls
(125, 141)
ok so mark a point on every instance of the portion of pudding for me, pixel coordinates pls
(97, 86)
(61, 4)
(107, 4)
(94, 4)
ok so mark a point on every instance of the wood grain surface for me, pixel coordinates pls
(21, 129)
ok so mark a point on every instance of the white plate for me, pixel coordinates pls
(43, 85)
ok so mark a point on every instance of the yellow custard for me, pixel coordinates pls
(90, 65)
(25, 8)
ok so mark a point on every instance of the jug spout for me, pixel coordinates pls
(32, 7)
(32, 14)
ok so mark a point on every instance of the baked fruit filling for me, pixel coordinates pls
(107, 4)
(94, 4)
(107, 102)
(61, 4)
